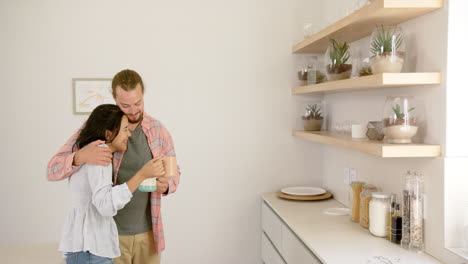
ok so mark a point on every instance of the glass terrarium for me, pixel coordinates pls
(313, 117)
(364, 68)
(400, 119)
(338, 61)
(387, 49)
(310, 71)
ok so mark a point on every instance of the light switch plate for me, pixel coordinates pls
(346, 176)
(352, 174)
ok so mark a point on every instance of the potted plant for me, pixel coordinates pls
(365, 71)
(400, 121)
(338, 55)
(387, 49)
(313, 118)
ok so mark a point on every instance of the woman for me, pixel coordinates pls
(90, 233)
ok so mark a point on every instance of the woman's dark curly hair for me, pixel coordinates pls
(104, 117)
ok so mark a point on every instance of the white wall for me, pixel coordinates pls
(218, 75)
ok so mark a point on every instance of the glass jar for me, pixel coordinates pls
(405, 214)
(308, 70)
(400, 119)
(365, 198)
(338, 61)
(312, 67)
(378, 214)
(391, 210)
(356, 186)
(416, 185)
(387, 49)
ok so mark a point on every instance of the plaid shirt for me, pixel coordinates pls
(160, 142)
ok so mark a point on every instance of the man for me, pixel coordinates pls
(141, 238)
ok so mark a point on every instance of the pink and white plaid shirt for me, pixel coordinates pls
(160, 142)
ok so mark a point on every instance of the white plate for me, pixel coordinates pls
(303, 190)
(336, 211)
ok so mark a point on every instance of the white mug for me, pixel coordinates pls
(358, 131)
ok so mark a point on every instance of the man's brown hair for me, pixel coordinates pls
(127, 80)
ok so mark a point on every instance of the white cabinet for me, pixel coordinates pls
(279, 244)
(269, 253)
(294, 251)
(271, 225)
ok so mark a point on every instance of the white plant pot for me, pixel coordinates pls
(386, 63)
(400, 134)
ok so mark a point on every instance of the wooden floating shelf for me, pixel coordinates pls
(362, 22)
(382, 80)
(373, 147)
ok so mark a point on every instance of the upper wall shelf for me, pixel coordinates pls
(382, 80)
(373, 147)
(361, 23)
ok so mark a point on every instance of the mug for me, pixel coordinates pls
(170, 166)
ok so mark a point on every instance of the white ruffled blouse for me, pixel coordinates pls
(89, 225)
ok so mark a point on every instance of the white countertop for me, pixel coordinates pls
(336, 239)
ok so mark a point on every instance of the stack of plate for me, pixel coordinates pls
(304, 193)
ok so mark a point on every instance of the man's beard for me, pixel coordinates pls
(136, 121)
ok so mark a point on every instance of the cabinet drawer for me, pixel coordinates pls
(271, 225)
(269, 253)
(294, 251)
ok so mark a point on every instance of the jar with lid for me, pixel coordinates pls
(405, 214)
(378, 214)
(356, 186)
(416, 212)
(366, 192)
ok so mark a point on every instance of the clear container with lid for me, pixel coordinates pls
(416, 212)
(366, 192)
(413, 214)
(378, 214)
(356, 186)
(405, 214)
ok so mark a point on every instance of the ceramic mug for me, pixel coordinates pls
(170, 166)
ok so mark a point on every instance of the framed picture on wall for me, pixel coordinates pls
(89, 93)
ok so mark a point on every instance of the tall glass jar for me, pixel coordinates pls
(366, 193)
(406, 209)
(356, 186)
(378, 214)
(338, 61)
(387, 49)
(400, 119)
(312, 68)
(416, 212)
(391, 211)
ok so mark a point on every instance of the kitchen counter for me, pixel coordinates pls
(335, 239)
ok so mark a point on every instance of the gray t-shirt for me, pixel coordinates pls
(135, 217)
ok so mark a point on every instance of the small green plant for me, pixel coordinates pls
(313, 112)
(387, 40)
(319, 77)
(339, 53)
(365, 71)
(397, 110)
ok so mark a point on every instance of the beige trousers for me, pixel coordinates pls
(137, 249)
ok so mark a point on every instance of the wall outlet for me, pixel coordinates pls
(352, 174)
(346, 176)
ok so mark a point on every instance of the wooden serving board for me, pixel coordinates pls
(324, 196)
